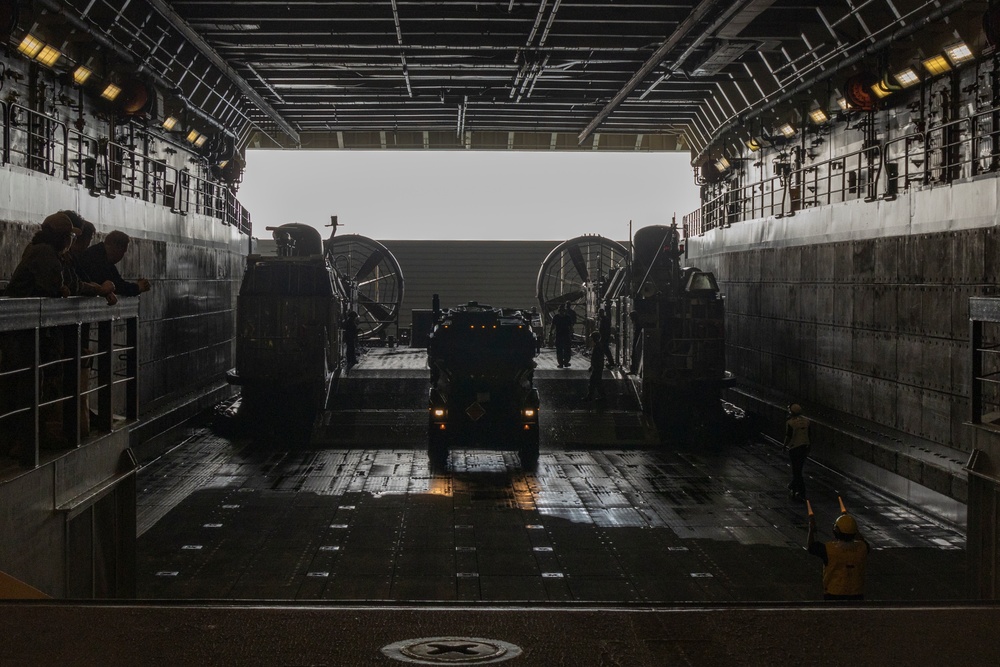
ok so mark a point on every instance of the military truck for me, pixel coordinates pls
(482, 391)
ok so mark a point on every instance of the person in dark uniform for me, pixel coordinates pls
(98, 263)
(797, 442)
(77, 279)
(604, 328)
(844, 559)
(536, 326)
(41, 269)
(351, 337)
(562, 322)
(43, 272)
(595, 389)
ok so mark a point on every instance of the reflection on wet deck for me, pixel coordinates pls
(222, 519)
(608, 515)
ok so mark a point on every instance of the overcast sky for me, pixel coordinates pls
(495, 195)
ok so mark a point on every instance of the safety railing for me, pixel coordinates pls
(838, 179)
(35, 141)
(44, 144)
(984, 316)
(963, 148)
(4, 134)
(68, 371)
(959, 149)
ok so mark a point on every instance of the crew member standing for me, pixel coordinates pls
(562, 322)
(604, 328)
(844, 559)
(797, 443)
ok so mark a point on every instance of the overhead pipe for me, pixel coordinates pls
(705, 34)
(679, 33)
(402, 53)
(179, 24)
(901, 33)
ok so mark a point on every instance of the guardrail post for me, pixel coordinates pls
(976, 336)
(72, 382)
(105, 346)
(33, 455)
(5, 151)
(132, 368)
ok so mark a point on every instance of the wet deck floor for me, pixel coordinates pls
(607, 516)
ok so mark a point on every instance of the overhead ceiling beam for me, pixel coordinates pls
(679, 33)
(206, 50)
(784, 94)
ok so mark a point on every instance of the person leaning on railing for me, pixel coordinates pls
(81, 284)
(98, 263)
(40, 271)
(74, 275)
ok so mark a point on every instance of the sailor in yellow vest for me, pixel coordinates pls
(797, 443)
(844, 559)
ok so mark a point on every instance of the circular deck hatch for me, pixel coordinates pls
(451, 651)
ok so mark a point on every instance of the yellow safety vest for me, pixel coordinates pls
(844, 572)
(800, 431)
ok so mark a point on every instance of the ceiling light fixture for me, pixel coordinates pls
(169, 122)
(200, 141)
(959, 53)
(842, 103)
(722, 164)
(30, 45)
(907, 77)
(111, 92)
(936, 65)
(80, 75)
(818, 116)
(48, 56)
(787, 130)
(193, 136)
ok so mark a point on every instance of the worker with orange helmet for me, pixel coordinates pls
(797, 442)
(844, 559)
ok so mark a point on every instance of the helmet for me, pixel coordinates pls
(795, 409)
(845, 525)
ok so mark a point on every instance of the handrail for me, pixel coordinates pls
(5, 149)
(45, 144)
(782, 195)
(43, 148)
(965, 147)
(49, 350)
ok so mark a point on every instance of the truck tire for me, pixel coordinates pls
(437, 449)
(528, 451)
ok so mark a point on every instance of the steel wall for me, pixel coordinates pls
(500, 273)
(195, 263)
